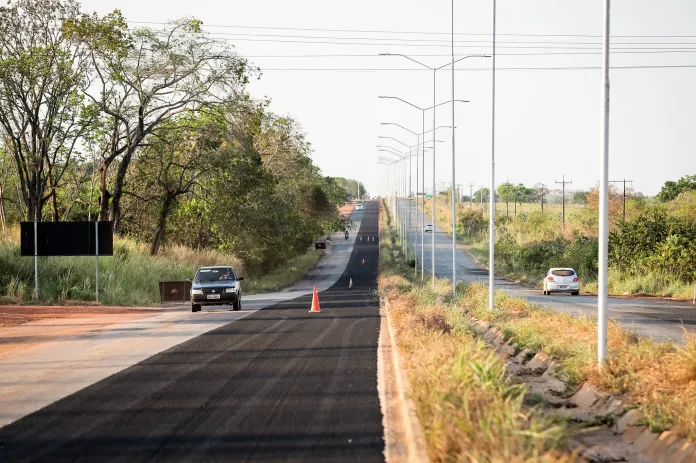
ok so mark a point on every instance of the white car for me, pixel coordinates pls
(428, 228)
(561, 280)
(359, 207)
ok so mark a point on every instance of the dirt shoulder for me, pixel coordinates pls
(12, 315)
(346, 209)
(22, 327)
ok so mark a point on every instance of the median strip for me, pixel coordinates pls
(521, 382)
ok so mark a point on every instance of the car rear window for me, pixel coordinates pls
(563, 273)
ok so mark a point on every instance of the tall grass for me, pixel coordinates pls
(658, 376)
(130, 277)
(469, 409)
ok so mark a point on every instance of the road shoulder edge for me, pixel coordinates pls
(404, 439)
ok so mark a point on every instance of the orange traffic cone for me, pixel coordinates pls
(315, 302)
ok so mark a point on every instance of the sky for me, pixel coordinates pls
(320, 64)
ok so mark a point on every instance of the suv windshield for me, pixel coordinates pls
(563, 273)
(213, 274)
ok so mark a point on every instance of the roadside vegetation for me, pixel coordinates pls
(155, 131)
(651, 252)
(457, 379)
(131, 276)
(469, 410)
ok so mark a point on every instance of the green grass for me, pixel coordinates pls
(130, 277)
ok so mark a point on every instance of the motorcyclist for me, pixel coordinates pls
(346, 235)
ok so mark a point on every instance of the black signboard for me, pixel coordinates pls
(67, 238)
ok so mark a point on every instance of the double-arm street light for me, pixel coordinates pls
(423, 178)
(418, 216)
(404, 229)
(454, 221)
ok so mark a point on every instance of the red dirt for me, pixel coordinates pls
(12, 315)
(346, 209)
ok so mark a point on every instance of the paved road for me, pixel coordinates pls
(658, 319)
(280, 384)
(46, 371)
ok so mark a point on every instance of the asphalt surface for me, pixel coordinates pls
(280, 384)
(655, 318)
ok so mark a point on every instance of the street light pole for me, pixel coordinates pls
(602, 290)
(454, 203)
(491, 193)
(433, 192)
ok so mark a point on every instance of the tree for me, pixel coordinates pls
(351, 186)
(671, 190)
(506, 192)
(541, 191)
(481, 195)
(145, 78)
(580, 198)
(521, 193)
(42, 75)
(172, 163)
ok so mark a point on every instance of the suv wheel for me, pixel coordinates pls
(237, 305)
(195, 307)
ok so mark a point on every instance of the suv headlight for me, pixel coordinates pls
(229, 290)
(196, 291)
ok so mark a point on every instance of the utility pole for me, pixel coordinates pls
(603, 253)
(564, 183)
(624, 181)
(471, 194)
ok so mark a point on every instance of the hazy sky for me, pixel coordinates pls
(548, 120)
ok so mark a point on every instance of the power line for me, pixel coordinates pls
(560, 68)
(571, 53)
(570, 45)
(445, 42)
(417, 32)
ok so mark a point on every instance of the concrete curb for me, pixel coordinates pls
(590, 402)
(414, 448)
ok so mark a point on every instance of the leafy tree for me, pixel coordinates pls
(506, 192)
(671, 190)
(541, 191)
(481, 195)
(42, 75)
(520, 194)
(351, 186)
(144, 78)
(171, 165)
(580, 198)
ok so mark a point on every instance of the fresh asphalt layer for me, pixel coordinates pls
(42, 372)
(658, 319)
(280, 384)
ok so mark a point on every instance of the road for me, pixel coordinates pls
(279, 384)
(658, 319)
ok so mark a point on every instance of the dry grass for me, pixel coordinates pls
(660, 377)
(469, 410)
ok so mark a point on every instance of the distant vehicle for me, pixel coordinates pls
(359, 207)
(216, 286)
(561, 280)
(428, 228)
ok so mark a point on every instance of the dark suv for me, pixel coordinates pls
(216, 286)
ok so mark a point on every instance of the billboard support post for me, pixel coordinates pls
(96, 249)
(36, 261)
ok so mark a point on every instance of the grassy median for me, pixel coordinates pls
(467, 407)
